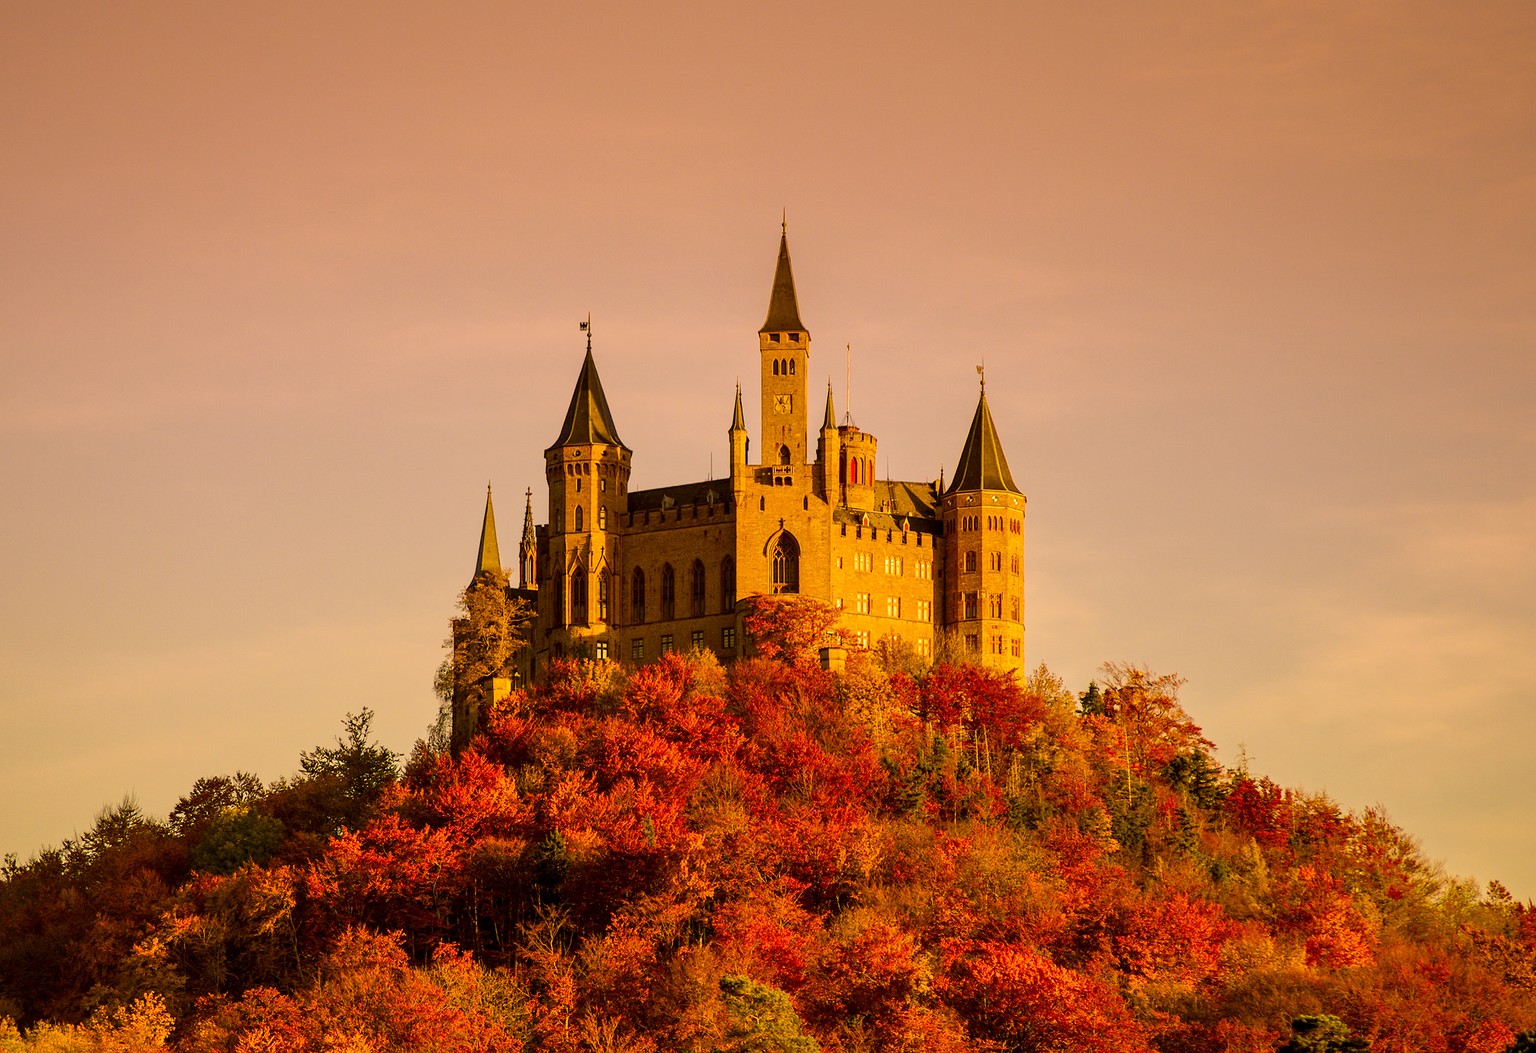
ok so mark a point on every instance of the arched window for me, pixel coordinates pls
(579, 596)
(602, 517)
(791, 367)
(602, 597)
(637, 597)
(727, 585)
(786, 565)
(696, 588)
(668, 593)
(783, 454)
(775, 367)
(578, 519)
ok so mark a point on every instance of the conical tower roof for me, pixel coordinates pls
(488, 559)
(588, 420)
(783, 307)
(829, 419)
(982, 463)
(738, 419)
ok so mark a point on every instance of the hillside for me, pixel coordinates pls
(765, 857)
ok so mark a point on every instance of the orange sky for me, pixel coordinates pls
(282, 285)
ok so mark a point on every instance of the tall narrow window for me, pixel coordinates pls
(727, 585)
(783, 454)
(602, 517)
(558, 598)
(791, 367)
(696, 588)
(637, 597)
(775, 367)
(602, 597)
(579, 596)
(786, 565)
(578, 519)
(668, 593)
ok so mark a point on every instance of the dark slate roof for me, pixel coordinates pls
(783, 308)
(588, 421)
(982, 464)
(488, 559)
(665, 497)
(829, 419)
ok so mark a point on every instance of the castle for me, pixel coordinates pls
(629, 575)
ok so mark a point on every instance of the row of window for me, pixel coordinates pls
(790, 338)
(992, 522)
(863, 604)
(695, 641)
(994, 561)
(785, 577)
(995, 644)
(971, 602)
(783, 367)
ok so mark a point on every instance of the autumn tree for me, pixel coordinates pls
(791, 629)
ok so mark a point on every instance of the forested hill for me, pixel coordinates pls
(766, 857)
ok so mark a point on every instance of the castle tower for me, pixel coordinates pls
(528, 553)
(983, 515)
(860, 454)
(587, 469)
(785, 347)
(828, 455)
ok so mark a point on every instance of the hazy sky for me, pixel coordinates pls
(282, 286)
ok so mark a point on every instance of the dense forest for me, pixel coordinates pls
(767, 856)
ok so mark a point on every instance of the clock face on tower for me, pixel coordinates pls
(783, 403)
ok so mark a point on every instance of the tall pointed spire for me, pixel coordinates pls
(982, 465)
(738, 419)
(588, 420)
(783, 307)
(829, 419)
(529, 537)
(488, 559)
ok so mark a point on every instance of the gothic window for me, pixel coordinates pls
(970, 561)
(578, 519)
(602, 517)
(853, 471)
(727, 585)
(1014, 608)
(971, 605)
(775, 367)
(783, 454)
(786, 565)
(995, 606)
(637, 597)
(602, 597)
(579, 596)
(791, 367)
(668, 593)
(696, 588)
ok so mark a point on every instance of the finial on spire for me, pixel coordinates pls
(586, 327)
(981, 371)
(784, 223)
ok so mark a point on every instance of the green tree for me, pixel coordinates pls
(1322, 1034)
(761, 1020)
(484, 640)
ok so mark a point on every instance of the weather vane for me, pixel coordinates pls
(586, 327)
(981, 371)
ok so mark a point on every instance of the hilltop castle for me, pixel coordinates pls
(629, 575)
